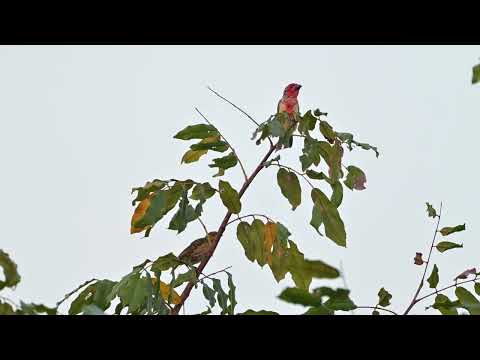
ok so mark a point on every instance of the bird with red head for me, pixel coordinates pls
(289, 104)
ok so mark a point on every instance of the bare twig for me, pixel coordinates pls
(231, 147)
(377, 308)
(214, 273)
(239, 109)
(415, 300)
(446, 288)
(203, 225)
(74, 291)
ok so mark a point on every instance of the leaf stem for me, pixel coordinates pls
(415, 300)
(239, 109)
(231, 147)
(250, 215)
(377, 307)
(446, 288)
(203, 225)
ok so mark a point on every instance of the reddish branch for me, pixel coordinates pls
(221, 230)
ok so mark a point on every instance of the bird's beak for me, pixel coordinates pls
(298, 87)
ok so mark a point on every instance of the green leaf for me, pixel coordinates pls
(431, 211)
(243, 235)
(477, 288)
(384, 297)
(229, 197)
(150, 186)
(300, 297)
(320, 270)
(6, 309)
(296, 261)
(10, 272)
(324, 211)
(355, 179)
(468, 300)
(337, 194)
(231, 294)
(190, 275)
(219, 146)
(447, 245)
(433, 279)
(209, 294)
(222, 297)
(450, 230)
(192, 156)
(282, 234)
(165, 262)
(312, 174)
(134, 292)
(92, 310)
(224, 163)
(307, 123)
(327, 131)
(445, 306)
(340, 300)
(290, 187)
(199, 131)
(83, 299)
(202, 192)
(348, 139)
(375, 312)
(319, 310)
(35, 309)
(259, 312)
(257, 235)
(476, 74)
(185, 214)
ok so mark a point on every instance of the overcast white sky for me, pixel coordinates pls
(82, 125)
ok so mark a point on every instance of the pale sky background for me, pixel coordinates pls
(82, 125)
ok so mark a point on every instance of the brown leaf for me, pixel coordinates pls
(465, 274)
(270, 235)
(417, 260)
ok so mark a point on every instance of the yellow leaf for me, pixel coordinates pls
(139, 213)
(165, 291)
(269, 238)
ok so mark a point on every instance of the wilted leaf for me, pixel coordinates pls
(165, 292)
(348, 139)
(224, 163)
(355, 179)
(231, 294)
(325, 212)
(290, 187)
(431, 211)
(384, 297)
(190, 275)
(300, 297)
(229, 197)
(222, 297)
(337, 194)
(476, 74)
(327, 131)
(259, 312)
(465, 274)
(468, 300)
(433, 279)
(447, 245)
(185, 214)
(270, 238)
(10, 272)
(199, 131)
(450, 230)
(417, 260)
(192, 155)
(147, 189)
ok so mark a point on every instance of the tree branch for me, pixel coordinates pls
(377, 308)
(446, 288)
(239, 109)
(221, 230)
(414, 300)
(231, 147)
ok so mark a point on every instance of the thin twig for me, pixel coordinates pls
(250, 215)
(231, 147)
(203, 225)
(74, 291)
(446, 288)
(342, 275)
(214, 273)
(295, 171)
(414, 300)
(376, 307)
(239, 109)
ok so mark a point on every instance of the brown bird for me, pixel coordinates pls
(198, 250)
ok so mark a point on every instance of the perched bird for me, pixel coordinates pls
(289, 104)
(198, 250)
